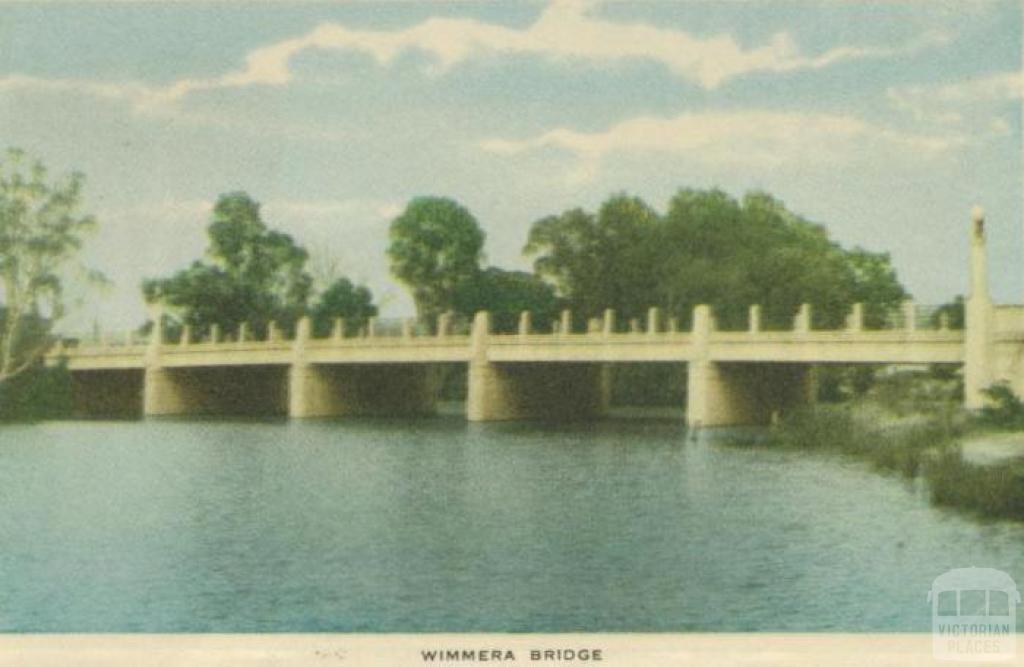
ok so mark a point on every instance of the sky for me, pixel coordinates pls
(884, 121)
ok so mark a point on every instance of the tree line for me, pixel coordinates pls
(707, 247)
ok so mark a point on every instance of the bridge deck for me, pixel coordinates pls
(892, 346)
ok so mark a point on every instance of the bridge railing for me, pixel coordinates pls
(127, 338)
(909, 317)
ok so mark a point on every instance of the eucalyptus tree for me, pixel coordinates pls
(41, 233)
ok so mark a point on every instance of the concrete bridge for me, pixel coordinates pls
(733, 377)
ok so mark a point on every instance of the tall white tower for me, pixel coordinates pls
(977, 337)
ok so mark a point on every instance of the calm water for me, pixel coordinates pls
(438, 525)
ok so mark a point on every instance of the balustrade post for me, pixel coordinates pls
(525, 323)
(754, 319)
(802, 321)
(156, 316)
(338, 332)
(480, 331)
(943, 321)
(214, 333)
(243, 332)
(566, 323)
(406, 328)
(303, 331)
(608, 327)
(186, 335)
(855, 320)
(634, 325)
(673, 325)
(371, 327)
(653, 320)
(909, 316)
(444, 324)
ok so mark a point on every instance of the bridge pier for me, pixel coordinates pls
(504, 392)
(362, 390)
(164, 393)
(741, 394)
(522, 390)
(217, 390)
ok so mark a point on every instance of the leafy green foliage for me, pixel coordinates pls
(41, 232)
(875, 285)
(254, 274)
(506, 294)
(343, 299)
(887, 442)
(954, 312)
(1004, 408)
(436, 247)
(837, 383)
(602, 261)
(38, 393)
(709, 248)
(991, 491)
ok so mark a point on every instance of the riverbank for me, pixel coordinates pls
(973, 463)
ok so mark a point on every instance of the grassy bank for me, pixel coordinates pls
(898, 431)
(899, 444)
(995, 491)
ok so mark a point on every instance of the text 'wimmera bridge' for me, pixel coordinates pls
(733, 377)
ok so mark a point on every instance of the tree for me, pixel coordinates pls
(506, 294)
(436, 247)
(875, 285)
(709, 248)
(602, 261)
(567, 250)
(343, 299)
(254, 274)
(954, 312)
(734, 254)
(41, 232)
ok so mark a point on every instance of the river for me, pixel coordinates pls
(441, 525)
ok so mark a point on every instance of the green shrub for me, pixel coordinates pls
(886, 443)
(1004, 410)
(38, 393)
(995, 491)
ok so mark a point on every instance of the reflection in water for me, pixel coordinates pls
(433, 525)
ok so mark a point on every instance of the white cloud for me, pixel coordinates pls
(564, 30)
(954, 103)
(132, 92)
(760, 139)
(152, 102)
